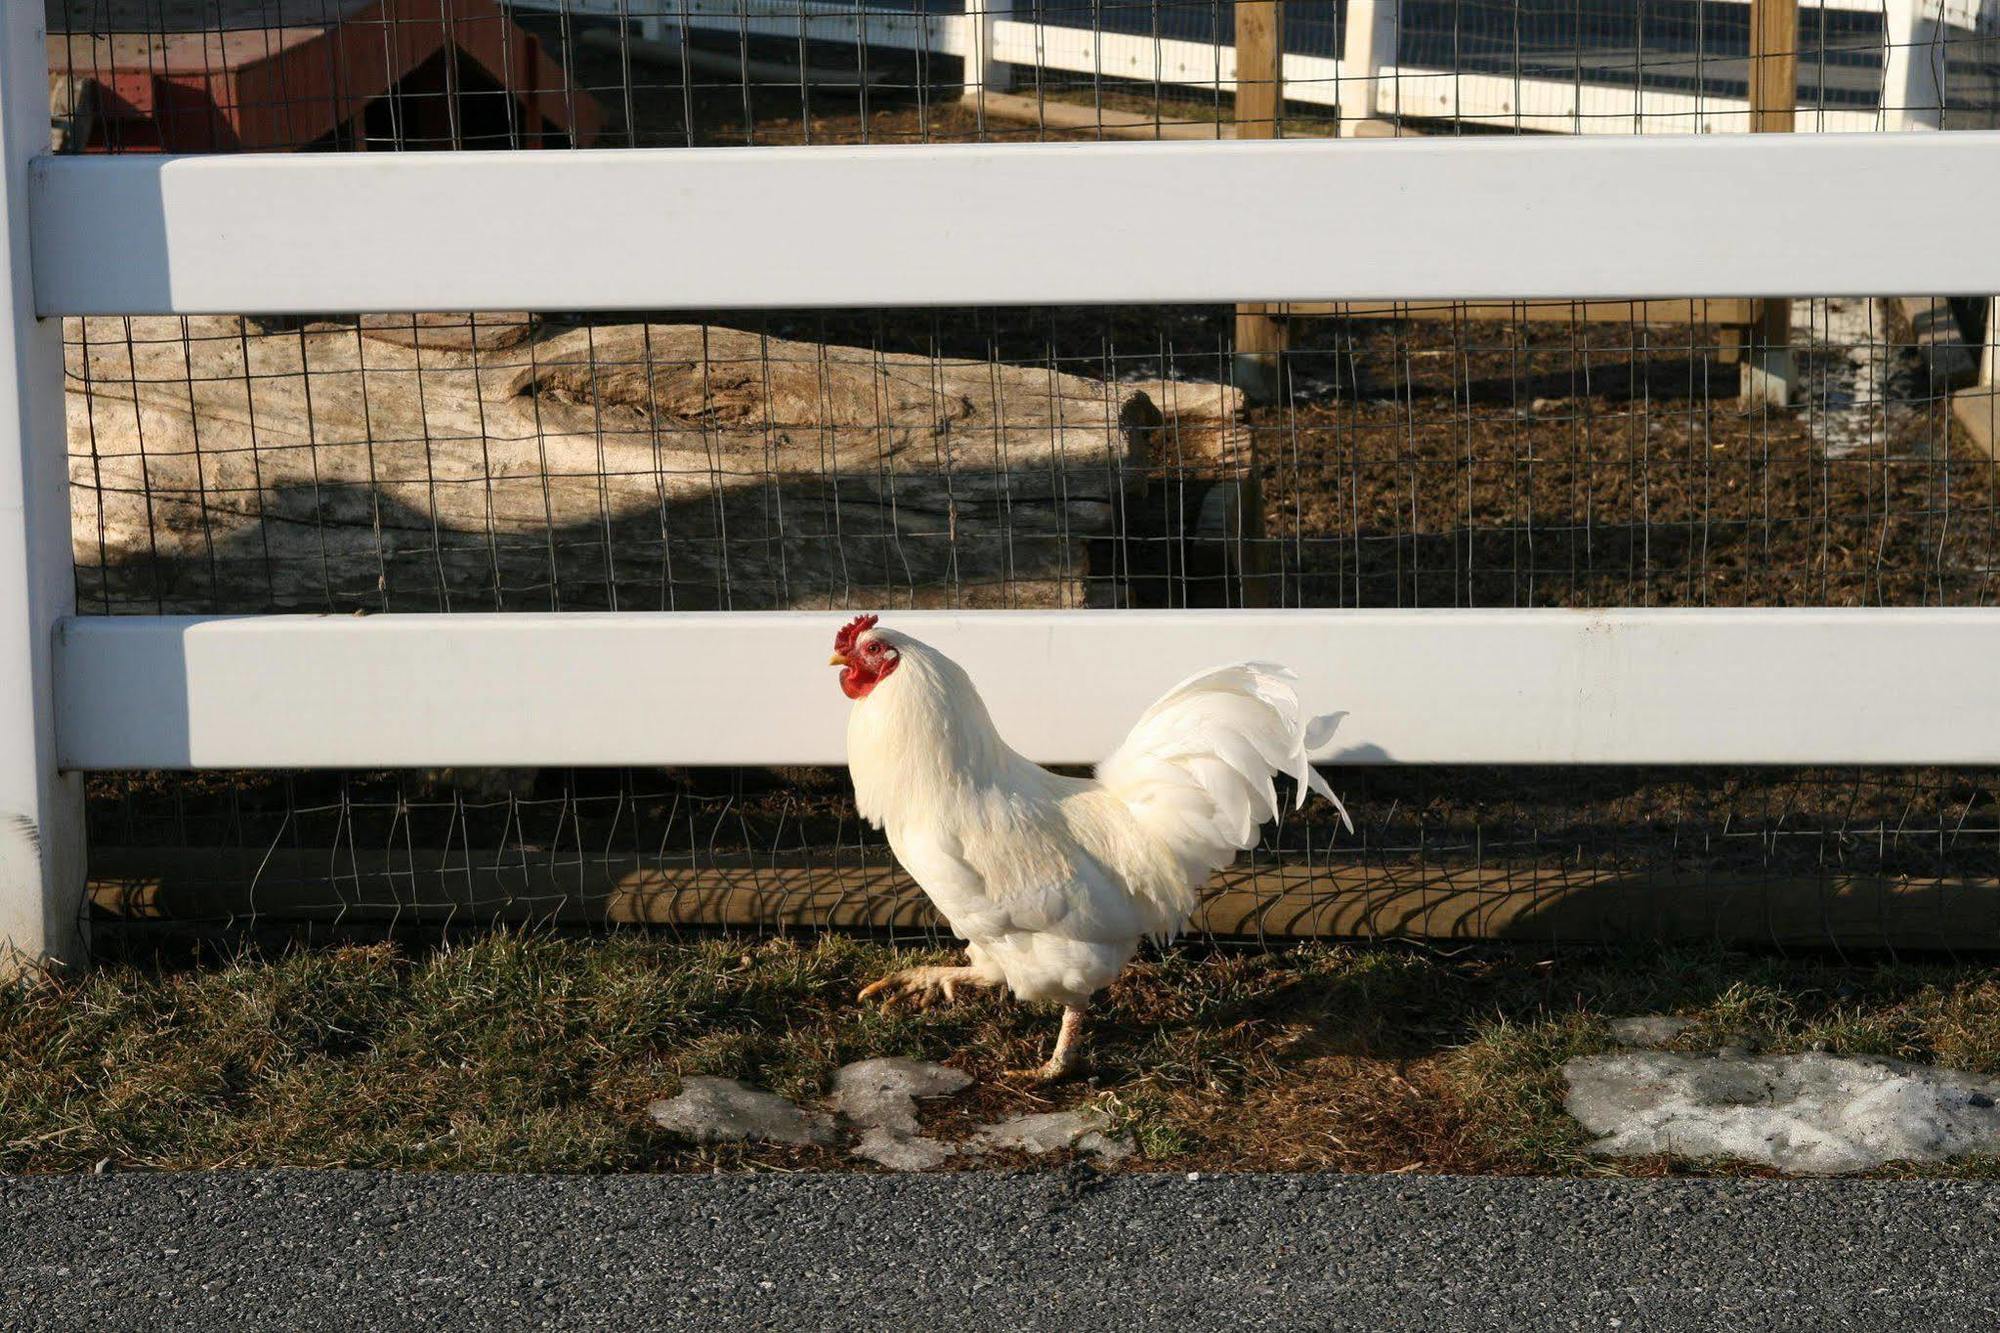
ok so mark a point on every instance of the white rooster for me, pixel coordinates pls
(1052, 881)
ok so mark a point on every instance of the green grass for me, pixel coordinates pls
(530, 1052)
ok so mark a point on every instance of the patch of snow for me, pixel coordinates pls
(1854, 385)
(901, 1152)
(1814, 1114)
(881, 1097)
(722, 1110)
(1053, 1131)
(883, 1093)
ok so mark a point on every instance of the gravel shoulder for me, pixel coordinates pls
(1003, 1251)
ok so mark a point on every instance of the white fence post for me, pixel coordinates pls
(1366, 45)
(1912, 94)
(982, 71)
(41, 810)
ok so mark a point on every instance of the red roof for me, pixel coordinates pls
(367, 73)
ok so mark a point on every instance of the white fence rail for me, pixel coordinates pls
(324, 233)
(1558, 218)
(710, 687)
(1366, 80)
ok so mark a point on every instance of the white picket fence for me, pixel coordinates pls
(1365, 81)
(929, 225)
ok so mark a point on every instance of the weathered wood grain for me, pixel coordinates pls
(220, 464)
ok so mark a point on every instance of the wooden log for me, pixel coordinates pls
(217, 465)
(1529, 901)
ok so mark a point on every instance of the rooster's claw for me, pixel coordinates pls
(921, 985)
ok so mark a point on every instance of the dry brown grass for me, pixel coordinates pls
(525, 1052)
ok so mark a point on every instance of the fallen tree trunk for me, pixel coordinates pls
(443, 463)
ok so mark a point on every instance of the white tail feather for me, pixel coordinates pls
(1196, 768)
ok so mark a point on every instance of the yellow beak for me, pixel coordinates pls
(838, 659)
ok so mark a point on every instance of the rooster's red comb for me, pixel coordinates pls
(852, 630)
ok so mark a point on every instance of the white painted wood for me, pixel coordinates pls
(986, 69)
(1912, 91)
(1561, 107)
(1558, 687)
(823, 21)
(41, 811)
(893, 225)
(1367, 75)
(1117, 55)
(1367, 47)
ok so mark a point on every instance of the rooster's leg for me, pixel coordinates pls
(1062, 1063)
(925, 984)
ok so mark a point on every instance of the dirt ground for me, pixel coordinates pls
(1451, 462)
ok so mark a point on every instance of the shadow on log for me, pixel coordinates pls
(447, 463)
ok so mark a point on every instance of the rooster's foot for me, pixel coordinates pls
(924, 985)
(1064, 1061)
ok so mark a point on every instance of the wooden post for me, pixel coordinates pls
(1260, 104)
(1260, 327)
(1260, 69)
(1768, 370)
(984, 74)
(41, 809)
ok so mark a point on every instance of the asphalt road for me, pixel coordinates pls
(969, 1251)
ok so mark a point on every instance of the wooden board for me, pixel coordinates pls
(922, 224)
(1260, 106)
(1508, 686)
(1525, 902)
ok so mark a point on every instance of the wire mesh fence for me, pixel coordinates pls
(233, 75)
(1859, 860)
(1564, 454)
(1010, 458)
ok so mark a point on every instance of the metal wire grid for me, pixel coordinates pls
(990, 458)
(1682, 45)
(1815, 859)
(464, 463)
(223, 75)
(535, 463)
(1410, 463)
